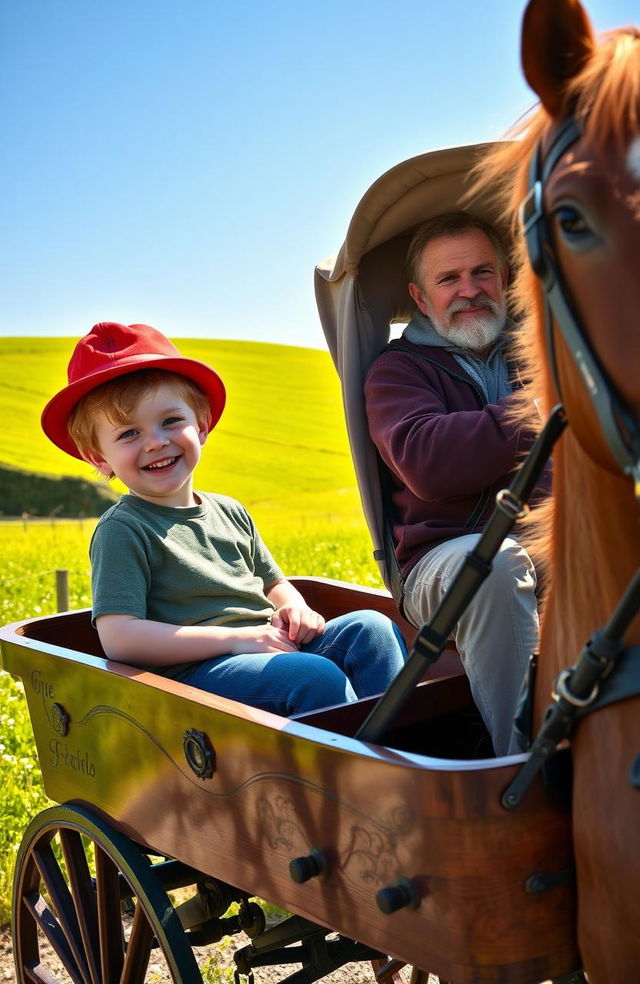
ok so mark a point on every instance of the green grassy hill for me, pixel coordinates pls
(280, 447)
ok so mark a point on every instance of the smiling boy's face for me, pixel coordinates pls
(155, 450)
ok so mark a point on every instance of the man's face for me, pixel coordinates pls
(462, 289)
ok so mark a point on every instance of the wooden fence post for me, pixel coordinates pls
(62, 590)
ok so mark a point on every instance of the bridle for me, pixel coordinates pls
(592, 682)
(620, 426)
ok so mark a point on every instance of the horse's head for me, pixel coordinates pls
(582, 216)
(582, 207)
(572, 174)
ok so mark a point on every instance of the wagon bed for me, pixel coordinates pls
(395, 846)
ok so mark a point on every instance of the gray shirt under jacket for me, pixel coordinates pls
(491, 374)
(200, 565)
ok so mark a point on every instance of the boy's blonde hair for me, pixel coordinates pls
(117, 398)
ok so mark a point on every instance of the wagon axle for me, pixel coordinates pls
(201, 914)
(317, 954)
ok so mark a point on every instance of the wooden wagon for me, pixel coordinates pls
(393, 846)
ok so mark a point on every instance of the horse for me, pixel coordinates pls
(584, 139)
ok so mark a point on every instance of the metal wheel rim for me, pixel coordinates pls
(85, 923)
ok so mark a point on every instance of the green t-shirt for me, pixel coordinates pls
(202, 565)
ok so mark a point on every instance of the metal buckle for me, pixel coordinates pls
(511, 505)
(531, 208)
(561, 690)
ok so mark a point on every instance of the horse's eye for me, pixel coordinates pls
(573, 225)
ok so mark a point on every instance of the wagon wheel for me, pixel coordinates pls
(80, 916)
(398, 972)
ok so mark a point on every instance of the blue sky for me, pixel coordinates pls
(187, 164)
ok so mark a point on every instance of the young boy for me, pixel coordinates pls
(181, 580)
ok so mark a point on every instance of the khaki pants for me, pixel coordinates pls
(495, 635)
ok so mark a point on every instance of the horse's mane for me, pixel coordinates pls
(605, 97)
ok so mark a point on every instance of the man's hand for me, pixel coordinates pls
(300, 622)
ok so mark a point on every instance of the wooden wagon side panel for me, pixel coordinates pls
(112, 737)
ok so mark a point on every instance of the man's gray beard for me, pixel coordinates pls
(478, 332)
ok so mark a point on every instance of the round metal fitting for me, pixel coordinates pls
(252, 919)
(59, 720)
(199, 753)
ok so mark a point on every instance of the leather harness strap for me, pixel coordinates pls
(604, 674)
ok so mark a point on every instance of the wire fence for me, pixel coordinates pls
(61, 575)
(45, 565)
(26, 521)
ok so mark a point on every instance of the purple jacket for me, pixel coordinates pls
(448, 451)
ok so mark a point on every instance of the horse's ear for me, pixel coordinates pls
(557, 42)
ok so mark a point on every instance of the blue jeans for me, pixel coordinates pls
(357, 655)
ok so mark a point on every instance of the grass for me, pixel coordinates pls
(281, 439)
(32, 552)
(21, 791)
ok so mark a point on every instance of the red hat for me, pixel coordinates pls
(111, 350)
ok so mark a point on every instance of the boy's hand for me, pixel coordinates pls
(267, 638)
(299, 621)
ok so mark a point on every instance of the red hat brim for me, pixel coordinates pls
(56, 414)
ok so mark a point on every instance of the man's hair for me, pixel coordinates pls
(449, 224)
(117, 398)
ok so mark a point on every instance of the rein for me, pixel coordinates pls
(590, 684)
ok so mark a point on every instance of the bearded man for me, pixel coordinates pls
(439, 405)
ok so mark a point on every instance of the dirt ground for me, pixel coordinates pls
(356, 973)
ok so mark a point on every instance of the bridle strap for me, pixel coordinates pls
(577, 691)
(619, 425)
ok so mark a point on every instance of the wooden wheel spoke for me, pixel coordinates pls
(39, 974)
(62, 902)
(388, 972)
(27, 938)
(141, 940)
(53, 931)
(84, 898)
(109, 918)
